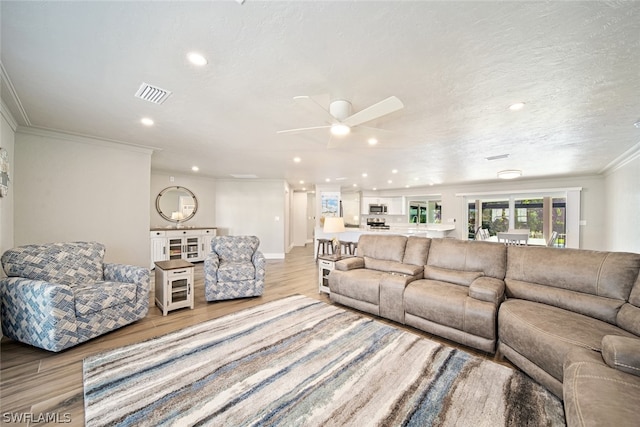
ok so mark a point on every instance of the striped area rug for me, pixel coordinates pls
(301, 362)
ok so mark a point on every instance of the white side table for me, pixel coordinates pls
(326, 264)
(174, 285)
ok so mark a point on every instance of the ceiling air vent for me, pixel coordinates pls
(152, 93)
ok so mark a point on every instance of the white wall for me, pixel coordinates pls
(253, 207)
(622, 187)
(7, 139)
(299, 219)
(203, 188)
(70, 188)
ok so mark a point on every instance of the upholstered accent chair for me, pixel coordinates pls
(234, 268)
(58, 295)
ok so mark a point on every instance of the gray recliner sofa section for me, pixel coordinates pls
(458, 297)
(569, 318)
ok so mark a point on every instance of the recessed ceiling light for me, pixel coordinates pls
(146, 121)
(394, 171)
(372, 141)
(364, 175)
(374, 188)
(355, 185)
(407, 186)
(301, 182)
(297, 159)
(327, 180)
(517, 106)
(389, 182)
(339, 129)
(510, 174)
(197, 59)
(195, 168)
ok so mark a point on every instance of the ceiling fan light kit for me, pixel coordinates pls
(339, 129)
(339, 117)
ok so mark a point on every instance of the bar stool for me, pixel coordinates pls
(347, 247)
(354, 247)
(325, 244)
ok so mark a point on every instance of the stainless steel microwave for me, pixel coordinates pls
(377, 209)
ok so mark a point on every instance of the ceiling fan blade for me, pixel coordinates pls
(382, 108)
(302, 129)
(315, 107)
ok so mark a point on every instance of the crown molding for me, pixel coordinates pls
(4, 112)
(6, 82)
(85, 139)
(628, 156)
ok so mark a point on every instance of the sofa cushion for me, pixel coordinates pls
(449, 304)
(544, 334)
(71, 264)
(382, 247)
(605, 309)
(393, 267)
(597, 395)
(95, 297)
(416, 250)
(604, 274)
(468, 255)
(622, 353)
(362, 284)
(235, 271)
(464, 278)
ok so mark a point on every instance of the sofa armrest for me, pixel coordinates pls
(487, 289)
(131, 274)
(622, 353)
(351, 263)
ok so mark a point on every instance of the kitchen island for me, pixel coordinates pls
(353, 234)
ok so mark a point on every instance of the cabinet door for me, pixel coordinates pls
(192, 250)
(158, 250)
(175, 247)
(207, 237)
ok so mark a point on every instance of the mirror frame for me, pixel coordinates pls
(168, 218)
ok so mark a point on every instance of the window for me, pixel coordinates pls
(541, 215)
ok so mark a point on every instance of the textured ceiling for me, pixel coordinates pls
(456, 66)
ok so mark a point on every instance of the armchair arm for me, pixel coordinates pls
(131, 274)
(38, 313)
(211, 264)
(622, 353)
(260, 263)
(488, 289)
(349, 263)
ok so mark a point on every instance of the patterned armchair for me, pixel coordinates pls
(234, 268)
(58, 295)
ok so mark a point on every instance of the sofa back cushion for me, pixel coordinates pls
(235, 248)
(382, 252)
(477, 257)
(592, 283)
(417, 250)
(629, 315)
(382, 247)
(71, 263)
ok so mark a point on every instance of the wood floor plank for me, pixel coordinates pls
(37, 381)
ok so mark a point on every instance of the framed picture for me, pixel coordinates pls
(4, 172)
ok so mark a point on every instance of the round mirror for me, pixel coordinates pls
(176, 204)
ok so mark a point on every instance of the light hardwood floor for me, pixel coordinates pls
(35, 381)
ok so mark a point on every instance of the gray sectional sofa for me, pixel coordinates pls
(569, 318)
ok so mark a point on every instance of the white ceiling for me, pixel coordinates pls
(456, 66)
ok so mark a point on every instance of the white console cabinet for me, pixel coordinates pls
(189, 244)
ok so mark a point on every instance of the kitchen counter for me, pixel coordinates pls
(353, 234)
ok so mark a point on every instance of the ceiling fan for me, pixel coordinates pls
(339, 117)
